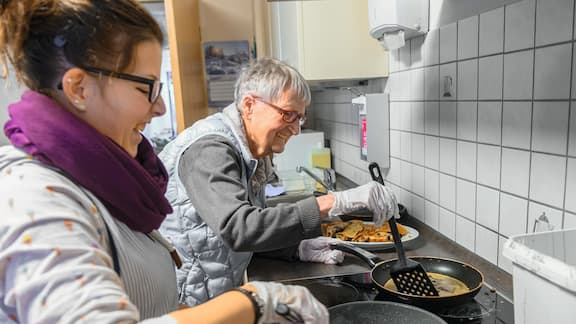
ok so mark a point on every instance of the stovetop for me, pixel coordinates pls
(488, 306)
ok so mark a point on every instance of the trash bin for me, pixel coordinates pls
(544, 276)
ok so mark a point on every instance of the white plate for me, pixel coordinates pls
(372, 246)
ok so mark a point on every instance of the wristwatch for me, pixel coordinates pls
(257, 302)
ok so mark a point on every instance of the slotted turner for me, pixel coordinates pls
(408, 275)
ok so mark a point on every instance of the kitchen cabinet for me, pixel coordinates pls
(326, 39)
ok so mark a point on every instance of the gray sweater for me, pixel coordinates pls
(216, 191)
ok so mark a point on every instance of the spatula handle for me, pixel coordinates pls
(397, 241)
(376, 174)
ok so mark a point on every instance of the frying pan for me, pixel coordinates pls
(380, 274)
(368, 312)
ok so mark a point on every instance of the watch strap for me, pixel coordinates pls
(257, 302)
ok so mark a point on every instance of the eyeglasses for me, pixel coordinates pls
(287, 116)
(154, 86)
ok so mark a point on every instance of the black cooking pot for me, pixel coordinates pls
(380, 312)
(380, 274)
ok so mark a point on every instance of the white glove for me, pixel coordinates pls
(374, 196)
(297, 298)
(318, 250)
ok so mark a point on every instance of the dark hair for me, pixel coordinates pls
(44, 38)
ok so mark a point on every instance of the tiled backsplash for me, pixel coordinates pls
(483, 164)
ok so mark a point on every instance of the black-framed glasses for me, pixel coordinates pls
(154, 86)
(287, 115)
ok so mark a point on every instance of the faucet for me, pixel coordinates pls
(329, 181)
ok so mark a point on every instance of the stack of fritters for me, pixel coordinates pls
(358, 231)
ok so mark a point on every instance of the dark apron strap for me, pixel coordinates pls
(115, 261)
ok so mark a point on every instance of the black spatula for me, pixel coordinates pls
(408, 275)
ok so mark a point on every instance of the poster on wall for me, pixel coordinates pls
(223, 62)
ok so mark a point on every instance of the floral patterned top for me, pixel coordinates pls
(56, 263)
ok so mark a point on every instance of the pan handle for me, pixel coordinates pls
(368, 257)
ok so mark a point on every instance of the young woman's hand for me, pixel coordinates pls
(298, 299)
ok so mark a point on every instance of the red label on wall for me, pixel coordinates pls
(363, 140)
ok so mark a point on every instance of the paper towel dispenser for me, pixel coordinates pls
(393, 21)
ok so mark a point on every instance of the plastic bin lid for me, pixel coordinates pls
(550, 255)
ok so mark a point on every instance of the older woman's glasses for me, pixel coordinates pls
(287, 115)
(154, 86)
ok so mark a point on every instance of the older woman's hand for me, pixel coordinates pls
(318, 250)
(374, 196)
(298, 299)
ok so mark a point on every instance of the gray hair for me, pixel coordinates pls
(269, 78)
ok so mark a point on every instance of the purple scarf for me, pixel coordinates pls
(132, 189)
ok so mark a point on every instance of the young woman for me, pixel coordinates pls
(81, 192)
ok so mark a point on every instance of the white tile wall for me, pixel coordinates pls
(572, 131)
(489, 165)
(519, 25)
(547, 179)
(571, 185)
(484, 164)
(467, 120)
(468, 38)
(513, 215)
(550, 127)
(418, 117)
(448, 156)
(468, 80)
(466, 199)
(554, 21)
(517, 124)
(431, 122)
(487, 244)
(518, 72)
(418, 175)
(447, 192)
(515, 171)
(447, 223)
(448, 49)
(569, 220)
(448, 120)
(487, 205)
(489, 122)
(465, 232)
(431, 78)
(432, 214)
(492, 32)
(431, 182)
(417, 54)
(432, 47)
(466, 160)
(490, 77)
(551, 77)
(418, 149)
(432, 152)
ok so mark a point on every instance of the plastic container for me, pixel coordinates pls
(321, 158)
(544, 276)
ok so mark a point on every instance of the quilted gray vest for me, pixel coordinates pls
(209, 267)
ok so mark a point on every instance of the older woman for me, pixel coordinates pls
(81, 192)
(218, 169)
